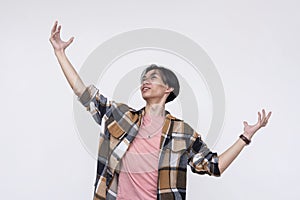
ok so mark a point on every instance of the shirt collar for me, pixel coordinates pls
(141, 113)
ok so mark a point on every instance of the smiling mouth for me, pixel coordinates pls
(145, 89)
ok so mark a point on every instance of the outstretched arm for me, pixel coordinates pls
(70, 73)
(226, 158)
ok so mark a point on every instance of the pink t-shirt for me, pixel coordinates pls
(139, 168)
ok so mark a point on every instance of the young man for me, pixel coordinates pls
(144, 154)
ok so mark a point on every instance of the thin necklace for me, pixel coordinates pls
(149, 125)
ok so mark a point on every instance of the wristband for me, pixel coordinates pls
(246, 140)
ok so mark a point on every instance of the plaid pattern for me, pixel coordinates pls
(180, 146)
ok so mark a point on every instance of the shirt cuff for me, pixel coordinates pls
(88, 94)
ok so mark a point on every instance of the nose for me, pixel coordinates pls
(145, 80)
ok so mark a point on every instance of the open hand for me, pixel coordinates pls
(262, 122)
(56, 41)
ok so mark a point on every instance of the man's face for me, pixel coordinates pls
(152, 86)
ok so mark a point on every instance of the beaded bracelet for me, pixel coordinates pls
(246, 140)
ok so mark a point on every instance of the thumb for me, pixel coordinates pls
(70, 41)
(245, 123)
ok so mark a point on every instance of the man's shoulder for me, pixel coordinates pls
(119, 110)
(181, 126)
(123, 106)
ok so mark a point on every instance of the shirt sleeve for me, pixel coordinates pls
(201, 159)
(94, 102)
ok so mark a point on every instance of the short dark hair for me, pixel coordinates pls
(168, 77)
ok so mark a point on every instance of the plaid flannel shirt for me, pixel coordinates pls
(180, 146)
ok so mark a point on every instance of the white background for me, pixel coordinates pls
(254, 45)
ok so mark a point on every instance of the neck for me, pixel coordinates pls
(155, 109)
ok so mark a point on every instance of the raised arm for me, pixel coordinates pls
(70, 73)
(226, 158)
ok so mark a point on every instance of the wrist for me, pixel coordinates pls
(248, 135)
(59, 52)
(245, 139)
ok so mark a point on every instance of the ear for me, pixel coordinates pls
(169, 89)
